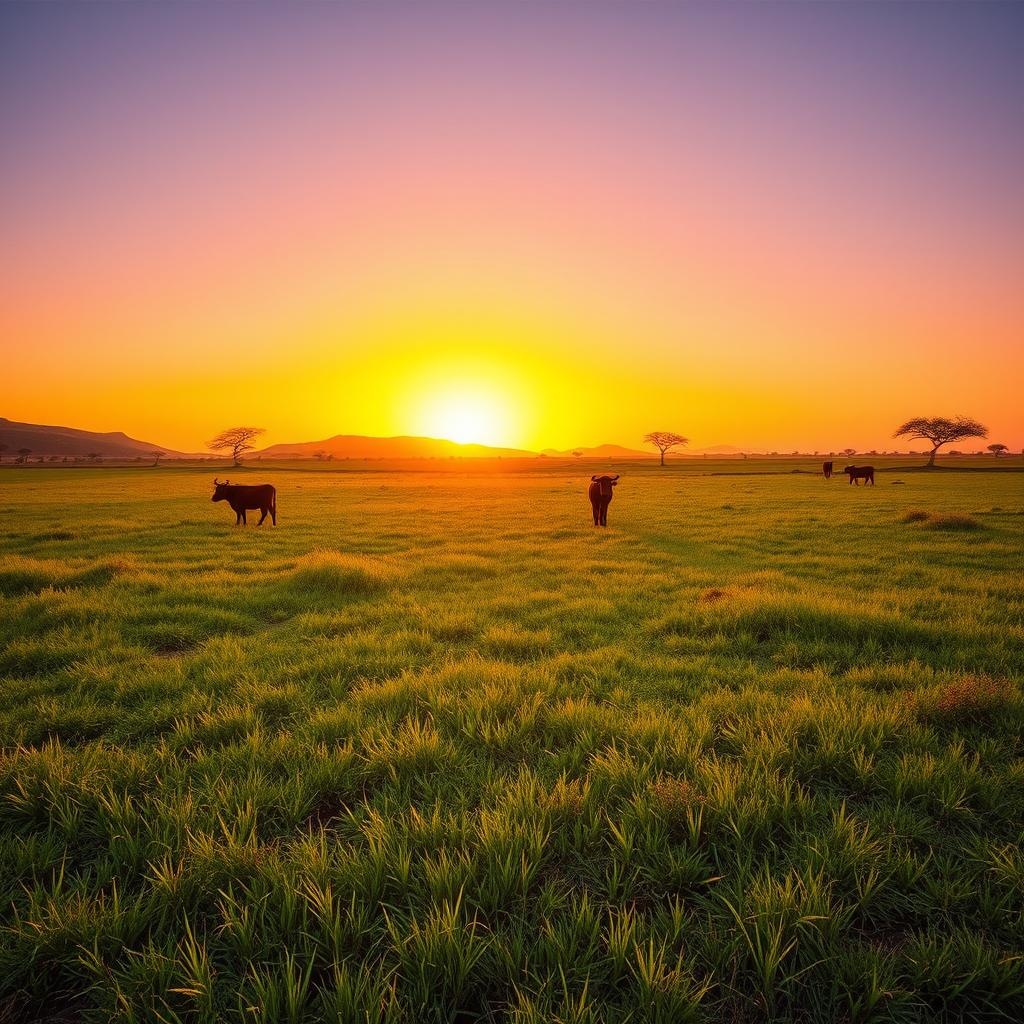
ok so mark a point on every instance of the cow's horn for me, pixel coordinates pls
(216, 482)
(616, 477)
(593, 478)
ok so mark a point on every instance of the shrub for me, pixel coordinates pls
(915, 515)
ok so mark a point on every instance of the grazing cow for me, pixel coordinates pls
(826, 469)
(865, 473)
(601, 495)
(243, 496)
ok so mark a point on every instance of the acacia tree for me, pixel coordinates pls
(940, 430)
(997, 449)
(236, 440)
(157, 456)
(849, 452)
(578, 452)
(23, 454)
(664, 441)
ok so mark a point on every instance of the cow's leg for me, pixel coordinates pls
(238, 517)
(263, 516)
(596, 508)
(245, 521)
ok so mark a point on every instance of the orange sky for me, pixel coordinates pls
(542, 227)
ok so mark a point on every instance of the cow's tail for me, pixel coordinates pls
(273, 502)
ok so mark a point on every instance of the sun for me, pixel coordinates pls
(464, 417)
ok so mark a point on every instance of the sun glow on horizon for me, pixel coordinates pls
(465, 415)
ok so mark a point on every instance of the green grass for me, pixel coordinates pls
(436, 749)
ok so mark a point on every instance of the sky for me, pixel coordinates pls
(777, 226)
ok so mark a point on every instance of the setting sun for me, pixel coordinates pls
(467, 419)
(466, 415)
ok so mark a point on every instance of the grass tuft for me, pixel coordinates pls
(968, 700)
(333, 574)
(953, 521)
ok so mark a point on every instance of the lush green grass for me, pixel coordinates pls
(436, 749)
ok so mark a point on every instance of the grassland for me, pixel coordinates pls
(435, 749)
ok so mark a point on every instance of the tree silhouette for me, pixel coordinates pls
(997, 449)
(665, 440)
(939, 431)
(236, 440)
(23, 454)
(93, 456)
(578, 452)
(849, 452)
(157, 456)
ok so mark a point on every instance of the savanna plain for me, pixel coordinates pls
(435, 748)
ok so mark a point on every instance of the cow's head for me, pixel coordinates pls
(849, 469)
(606, 482)
(220, 490)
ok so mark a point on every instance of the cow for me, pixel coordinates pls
(243, 496)
(865, 473)
(826, 469)
(601, 495)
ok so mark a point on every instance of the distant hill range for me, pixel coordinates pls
(617, 451)
(356, 446)
(45, 440)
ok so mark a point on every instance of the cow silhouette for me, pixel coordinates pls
(601, 495)
(865, 473)
(826, 469)
(247, 496)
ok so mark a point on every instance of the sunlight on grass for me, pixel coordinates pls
(398, 761)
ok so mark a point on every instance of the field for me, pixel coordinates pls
(437, 749)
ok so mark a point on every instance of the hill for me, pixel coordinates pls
(618, 451)
(601, 451)
(358, 446)
(48, 440)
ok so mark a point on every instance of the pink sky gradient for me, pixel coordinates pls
(774, 226)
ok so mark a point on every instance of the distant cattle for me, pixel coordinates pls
(865, 473)
(247, 496)
(601, 495)
(826, 469)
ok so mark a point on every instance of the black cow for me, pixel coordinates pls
(243, 496)
(601, 495)
(865, 473)
(826, 469)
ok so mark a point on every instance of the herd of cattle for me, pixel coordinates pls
(248, 497)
